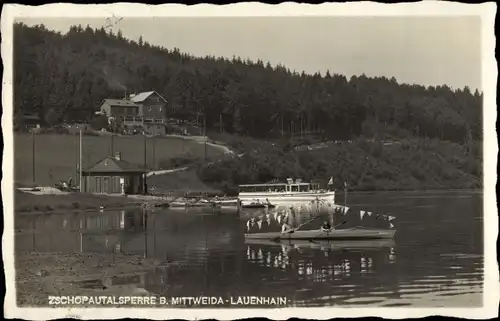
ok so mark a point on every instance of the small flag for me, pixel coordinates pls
(391, 225)
(362, 213)
(330, 182)
(345, 183)
(259, 223)
(345, 210)
(391, 218)
(369, 213)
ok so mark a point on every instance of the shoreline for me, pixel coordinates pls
(69, 210)
(28, 203)
(37, 204)
(47, 274)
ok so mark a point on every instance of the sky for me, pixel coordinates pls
(421, 50)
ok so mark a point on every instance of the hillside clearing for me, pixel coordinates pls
(56, 156)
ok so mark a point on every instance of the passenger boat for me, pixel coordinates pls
(328, 244)
(356, 233)
(289, 193)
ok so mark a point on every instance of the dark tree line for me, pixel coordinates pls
(65, 78)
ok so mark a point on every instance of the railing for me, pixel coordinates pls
(140, 119)
(132, 119)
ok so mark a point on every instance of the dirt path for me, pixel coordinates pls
(166, 171)
(198, 139)
(201, 140)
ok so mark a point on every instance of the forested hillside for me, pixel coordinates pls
(70, 75)
(434, 133)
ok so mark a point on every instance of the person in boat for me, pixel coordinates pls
(252, 225)
(326, 226)
(284, 227)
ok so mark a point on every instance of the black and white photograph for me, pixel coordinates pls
(250, 160)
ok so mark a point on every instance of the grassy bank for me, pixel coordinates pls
(56, 155)
(26, 202)
(419, 164)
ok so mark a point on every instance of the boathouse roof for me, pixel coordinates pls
(115, 165)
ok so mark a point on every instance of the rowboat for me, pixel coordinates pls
(177, 204)
(356, 233)
(322, 244)
(186, 204)
(230, 202)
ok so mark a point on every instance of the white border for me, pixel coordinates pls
(486, 11)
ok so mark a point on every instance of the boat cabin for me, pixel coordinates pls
(290, 186)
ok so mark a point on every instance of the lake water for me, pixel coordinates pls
(436, 258)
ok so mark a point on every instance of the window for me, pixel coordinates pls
(304, 188)
(295, 188)
(98, 184)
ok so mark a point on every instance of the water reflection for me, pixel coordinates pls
(322, 261)
(436, 259)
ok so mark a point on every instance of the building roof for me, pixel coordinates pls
(140, 97)
(112, 165)
(120, 102)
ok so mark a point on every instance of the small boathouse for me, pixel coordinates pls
(113, 175)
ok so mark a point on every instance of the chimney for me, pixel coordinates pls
(118, 156)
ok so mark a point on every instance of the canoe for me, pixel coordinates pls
(356, 233)
(328, 244)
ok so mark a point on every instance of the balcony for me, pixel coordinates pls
(131, 119)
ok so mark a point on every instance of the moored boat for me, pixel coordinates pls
(190, 204)
(289, 193)
(356, 233)
(328, 244)
(228, 202)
